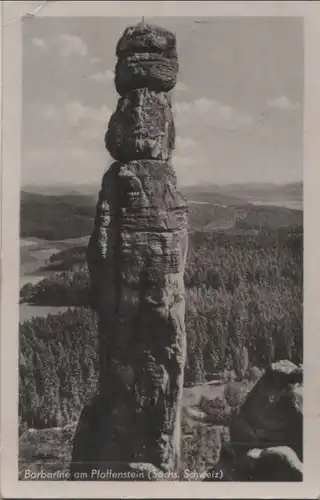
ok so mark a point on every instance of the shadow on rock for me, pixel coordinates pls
(266, 439)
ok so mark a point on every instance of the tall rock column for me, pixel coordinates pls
(136, 259)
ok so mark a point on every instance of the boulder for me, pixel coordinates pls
(254, 374)
(271, 414)
(266, 432)
(144, 37)
(142, 127)
(280, 463)
(154, 71)
(284, 365)
(234, 393)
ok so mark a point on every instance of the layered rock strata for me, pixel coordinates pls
(147, 57)
(142, 127)
(136, 259)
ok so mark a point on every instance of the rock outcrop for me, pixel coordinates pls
(275, 463)
(153, 70)
(147, 58)
(271, 415)
(142, 127)
(266, 433)
(143, 38)
(136, 259)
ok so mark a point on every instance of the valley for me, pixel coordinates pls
(244, 299)
(34, 261)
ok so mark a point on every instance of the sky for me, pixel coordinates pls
(238, 103)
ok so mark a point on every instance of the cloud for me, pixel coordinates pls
(183, 163)
(283, 103)
(211, 113)
(181, 107)
(67, 164)
(77, 113)
(51, 112)
(180, 87)
(87, 122)
(39, 42)
(183, 143)
(70, 45)
(96, 60)
(107, 76)
(188, 169)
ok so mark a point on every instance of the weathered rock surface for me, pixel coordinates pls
(142, 127)
(96, 455)
(155, 71)
(136, 197)
(272, 413)
(136, 258)
(285, 366)
(279, 463)
(146, 38)
(275, 463)
(266, 439)
(266, 433)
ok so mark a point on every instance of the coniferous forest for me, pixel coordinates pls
(244, 309)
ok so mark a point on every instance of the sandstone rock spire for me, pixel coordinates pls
(136, 259)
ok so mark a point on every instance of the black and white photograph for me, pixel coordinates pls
(161, 242)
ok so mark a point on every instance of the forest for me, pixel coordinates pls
(72, 215)
(243, 309)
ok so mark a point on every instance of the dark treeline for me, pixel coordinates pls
(67, 260)
(72, 216)
(244, 308)
(65, 216)
(68, 288)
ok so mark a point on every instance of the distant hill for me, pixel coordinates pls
(263, 192)
(268, 194)
(266, 191)
(269, 217)
(197, 193)
(56, 217)
(62, 189)
(65, 216)
(213, 196)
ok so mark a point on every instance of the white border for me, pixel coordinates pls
(11, 102)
